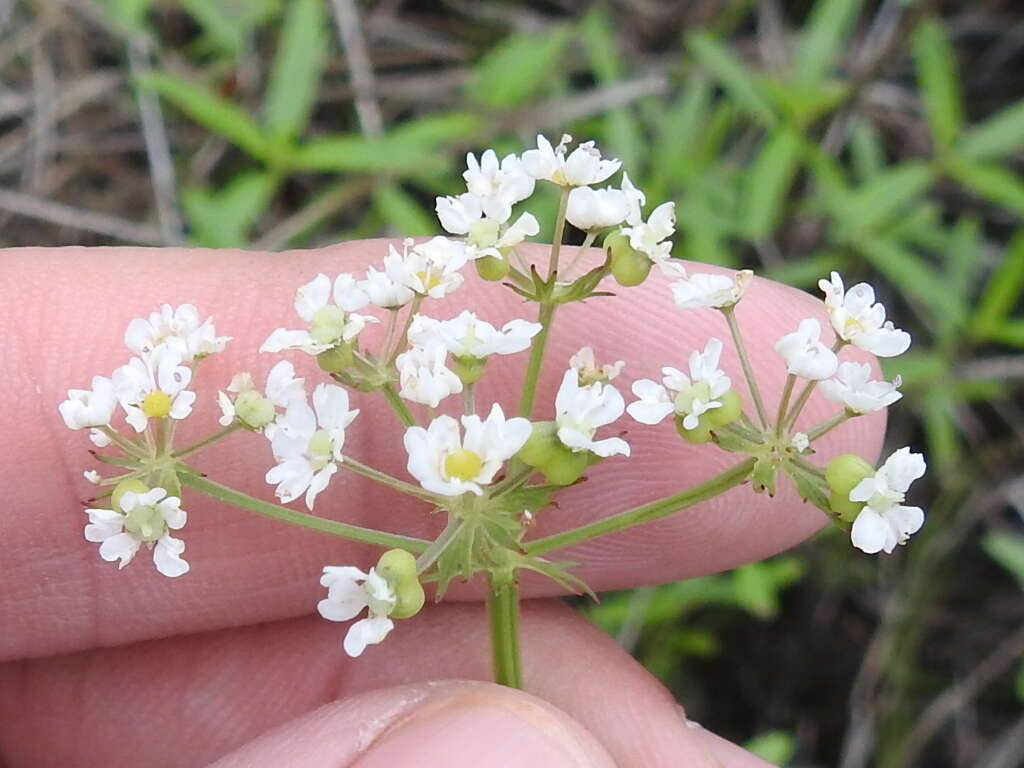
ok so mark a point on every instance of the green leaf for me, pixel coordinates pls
(867, 155)
(918, 368)
(1007, 549)
(936, 71)
(598, 38)
(1000, 135)
(222, 218)
(1018, 683)
(228, 23)
(883, 198)
(401, 212)
(210, 110)
(1002, 292)
(822, 40)
(740, 83)
(353, 152)
(940, 428)
(999, 185)
(438, 129)
(675, 147)
(516, 68)
(914, 276)
(777, 747)
(128, 15)
(1011, 333)
(295, 76)
(767, 183)
(804, 272)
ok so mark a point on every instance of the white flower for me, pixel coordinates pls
(423, 376)
(154, 386)
(687, 396)
(800, 442)
(180, 324)
(804, 353)
(587, 369)
(99, 438)
(329, 324)
(90, 407)
(144, 518)
(651, 237)
(349, 591)
(451, 465)
(852, 387)
(884, 522)
(430, 268)
(465, 215)
(857, 319)
(307, 443)
(592, 209)
(497, 185)
(583, 166)
(469, 336)
(707, 290)
(92, 476)
(579, 411)
(383, 291)
(282, 387)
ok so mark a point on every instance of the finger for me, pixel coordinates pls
(190, 700)
(66, 310)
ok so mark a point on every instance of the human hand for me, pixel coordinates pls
(111, 668)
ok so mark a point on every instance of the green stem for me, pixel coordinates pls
(414, 307)
(654, 510)
(503, 610)
(437, 547)
(398, 405)
(556, 240)
(468, 400)
(518, 473)
(587, 242)
(805, 394)
(260, 507)
(828, 425)
(540, 341)
(128, 446)
(198, 446)
(392, 482)
(787, 392)
(389, 334)
(748, 370)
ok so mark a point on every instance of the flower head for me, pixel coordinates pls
(687, 396)
(804, 353)
(885, 522)
(707, 290)
(430, 268)
(254, 409)
(853, 388)
(154, 386)
(142, 518)
(593, 209)
(469, 336)
(423, 375)
(178, 325)
(330, 324)
(383, 291)
(451, 464)
(485, 236)
(307, 443)
(90, 407)
(857, 319)
(349, 591)
(651, 237)
(581, 167)
(498, 186)
(581, 410)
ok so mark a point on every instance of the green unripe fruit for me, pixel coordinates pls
(565, 467)
(336, 359)
(731, 409)
(492, 268)
(469, 369)
(541, 444)
(254, 410)
(398, 568)
(629, 266)
(135, 486)
(699, 434)
(843, 474)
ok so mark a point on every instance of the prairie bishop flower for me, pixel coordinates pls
(469, 336)
(498, 186)
(593, 209)
(853, 387)
(581, 167)
(651, 237)
(252, 408)
(589, 372)
(142, 518)
(445, 462)
(857, 319)
(330, 324)
(424, 377)
(307, 443)
(885, 522)
(430, 268)
(154, 386)
(708, 290)
(581, 410)
(465, 215)
(176, 325)
(383, 291)
(804, 354)
(90, 407)
(687, 396)
(349, 591)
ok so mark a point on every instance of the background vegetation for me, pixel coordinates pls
(883, 138)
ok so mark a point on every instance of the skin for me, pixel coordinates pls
(228, 664)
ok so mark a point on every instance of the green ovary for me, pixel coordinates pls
(327, 325)
(321, 450)
(146, 523)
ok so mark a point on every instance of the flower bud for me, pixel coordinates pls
(134, 485)
(843, 474)
(629, 266)
(398, 568)
(254, 410)
(336, 359)
(732, 407)
(492, 268)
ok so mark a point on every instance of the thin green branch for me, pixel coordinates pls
(199, 445)
(748, 370)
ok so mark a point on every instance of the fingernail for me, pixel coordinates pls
(483, 730)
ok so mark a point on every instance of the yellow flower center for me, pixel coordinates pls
(156, 405)
(463, 464)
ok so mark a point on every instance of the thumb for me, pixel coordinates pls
(453, 723)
